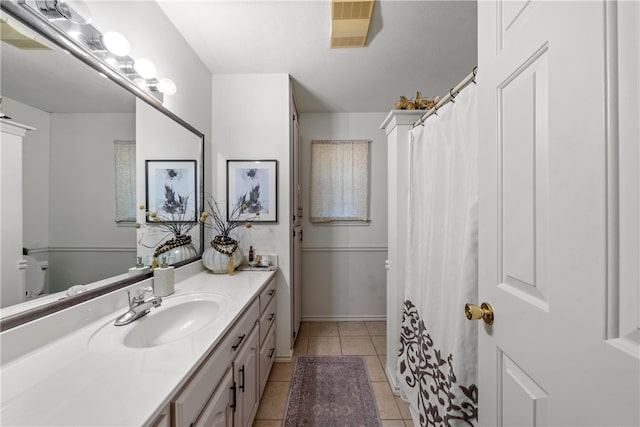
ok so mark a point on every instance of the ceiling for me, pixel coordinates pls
(418, 45)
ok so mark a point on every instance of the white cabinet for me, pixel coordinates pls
(163, 419)
(245, 373)
(397, 126)
(219, 409)
(267, 326)
(225, 389)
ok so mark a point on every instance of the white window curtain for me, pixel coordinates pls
(125, 177)
(339, 180)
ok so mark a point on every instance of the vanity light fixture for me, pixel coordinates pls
(111, 47)
(75, 11)
(116, 43)
(145, 68)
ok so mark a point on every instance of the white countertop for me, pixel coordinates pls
(66, 383)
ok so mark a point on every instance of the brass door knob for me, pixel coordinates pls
(484, 312)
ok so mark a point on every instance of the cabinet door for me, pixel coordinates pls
(219, 412)
(247, 380)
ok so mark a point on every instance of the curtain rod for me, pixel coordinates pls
(471, 78)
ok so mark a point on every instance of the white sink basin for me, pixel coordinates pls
(177, 318)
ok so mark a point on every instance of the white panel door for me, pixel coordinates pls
(557, 354)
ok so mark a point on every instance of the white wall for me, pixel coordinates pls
(251, 122)
(154, 37)
(159, 138)
(343, 264)
(82, 198)
(69, 194)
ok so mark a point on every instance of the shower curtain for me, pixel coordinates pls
(438, 345)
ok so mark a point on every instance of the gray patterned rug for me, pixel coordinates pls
(331, 391)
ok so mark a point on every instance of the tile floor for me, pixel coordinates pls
(336, 338)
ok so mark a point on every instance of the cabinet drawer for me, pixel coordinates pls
(189, 403)
(267, 294)
(267, 319)
(267, 356)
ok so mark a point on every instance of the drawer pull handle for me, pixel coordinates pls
(272, 316)
(271, 353)
(271, 292)
(242, 378)
(235, 347)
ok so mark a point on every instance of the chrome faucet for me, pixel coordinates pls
(138, 307)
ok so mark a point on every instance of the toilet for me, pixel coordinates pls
(34, 277)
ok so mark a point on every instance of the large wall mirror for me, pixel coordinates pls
(100, 147)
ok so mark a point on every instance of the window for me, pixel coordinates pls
(125, 175)
(339, 180)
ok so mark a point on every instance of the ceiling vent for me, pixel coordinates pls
(350, 22)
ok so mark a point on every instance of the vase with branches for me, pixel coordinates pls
(223, 255)
(173, 227)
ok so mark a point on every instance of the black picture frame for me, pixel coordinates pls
(255, 184)
(170, 190)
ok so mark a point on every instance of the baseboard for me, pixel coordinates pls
(392, 379)
(284, 359)
(348, 318)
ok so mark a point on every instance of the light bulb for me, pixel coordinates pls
(167, 86)
(145, 68)
(116, 43)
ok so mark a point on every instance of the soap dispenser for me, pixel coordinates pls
(163, 279)
(140, 268)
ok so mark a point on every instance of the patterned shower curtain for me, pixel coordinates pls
(438, 345)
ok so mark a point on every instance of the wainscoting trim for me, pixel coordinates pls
(346, 249)
(83, 249)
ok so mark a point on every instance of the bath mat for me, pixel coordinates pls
(331, 391)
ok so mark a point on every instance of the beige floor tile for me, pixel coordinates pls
(390, 423)
(380, 343)
(301, 345)
(386, 401)
(376, 370)
(409, 423)
(323, 329)
(377, 328)
(273, 401)
(281, 371)
(352, 328)
(358, 345)
(304, 329)
(271, 423)
(404, 408)
(324, 346)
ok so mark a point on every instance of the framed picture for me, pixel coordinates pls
(252, 183)
(171, 190)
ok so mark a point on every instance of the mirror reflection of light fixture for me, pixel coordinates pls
(145, 68)
(112, 48)
(167, 86)
(116, 43)
(75, 11)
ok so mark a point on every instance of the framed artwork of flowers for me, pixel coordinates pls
(171, 190)
(252, 190)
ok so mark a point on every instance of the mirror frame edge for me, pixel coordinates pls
(63, 41)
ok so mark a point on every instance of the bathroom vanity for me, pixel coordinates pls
(201, 359)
